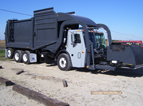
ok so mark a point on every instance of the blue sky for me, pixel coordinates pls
(123, 17)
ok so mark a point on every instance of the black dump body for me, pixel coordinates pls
(34, 33)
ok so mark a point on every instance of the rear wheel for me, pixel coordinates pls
(18, 56)
(64, 62)
(10, 53)
(26, 57)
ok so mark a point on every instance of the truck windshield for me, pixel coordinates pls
(97, 39)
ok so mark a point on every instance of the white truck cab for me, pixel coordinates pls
(76, 47)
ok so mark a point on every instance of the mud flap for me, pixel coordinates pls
(33, 57)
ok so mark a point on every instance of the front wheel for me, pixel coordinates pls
(64, 62)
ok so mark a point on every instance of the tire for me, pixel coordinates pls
(10, 53)
(26, 57)
(64, 62)
(18, 56)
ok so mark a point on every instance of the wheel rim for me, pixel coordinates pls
(25, 57)
(8, 53)
(63, 62)
(16, 56)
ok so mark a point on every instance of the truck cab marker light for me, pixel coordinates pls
(82, 51)
(27, 47)
(87, 66)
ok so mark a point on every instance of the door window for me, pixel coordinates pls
(76, 38)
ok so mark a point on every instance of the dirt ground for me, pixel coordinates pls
(47, 79)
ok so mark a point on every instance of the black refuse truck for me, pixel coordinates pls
(71, 40)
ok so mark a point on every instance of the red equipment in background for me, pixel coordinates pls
(138, 42)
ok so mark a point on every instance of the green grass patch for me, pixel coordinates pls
(2, 53)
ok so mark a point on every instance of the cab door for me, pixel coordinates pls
(76, 48)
